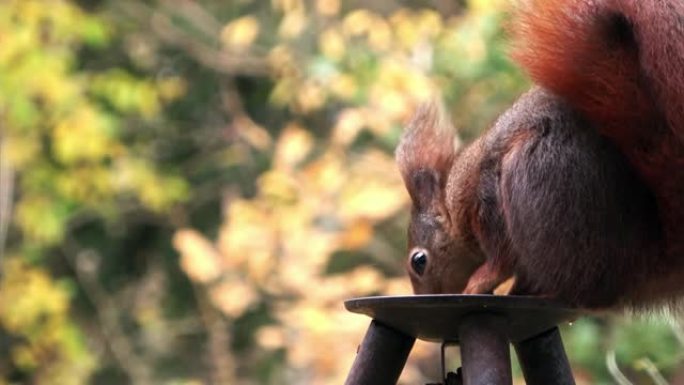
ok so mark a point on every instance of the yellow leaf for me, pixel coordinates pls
(257, 136)
(84, 135)
(358, 22)
(171, 88)
(54, 87)
(247, 222)
(311, 96)
(332, 44)
(380, 35)
(240, 34)
(292, 24)
(430, 22)
(41, 219)
(233, 298)
(154, 191)
(415, 27)
(357, 235)
(88, 183)
(330, 290)
(29, 298)
(306, 252)
(328, 7)
(344, 86)
(398, 286)
(374, 192)
(391, 102)
(271, 337)
(287, 5)
(282, 60)
(278, 186)
(294, 145)
(487, 6)
(20, 150)
(365, 280)
(349, 124)
(24, 357)
(406, 29)
(199, 259)
(327, 174)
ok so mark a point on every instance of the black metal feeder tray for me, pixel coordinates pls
(482, 325)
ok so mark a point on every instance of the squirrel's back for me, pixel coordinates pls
(620, 62)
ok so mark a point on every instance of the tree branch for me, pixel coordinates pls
(222, 361)
(6, 197)
(163, 28)
(84, 263)
(223, 62)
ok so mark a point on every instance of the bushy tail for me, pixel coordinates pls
(620, 62)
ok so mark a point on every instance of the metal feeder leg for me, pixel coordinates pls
(485, 352)
(381, 356)
(543, 360)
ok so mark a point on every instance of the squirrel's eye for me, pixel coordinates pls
(419, 261)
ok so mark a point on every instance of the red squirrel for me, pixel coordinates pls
(577, 191)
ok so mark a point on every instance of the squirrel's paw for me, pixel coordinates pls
(487, 279)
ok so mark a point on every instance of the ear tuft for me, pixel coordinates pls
(426, 148)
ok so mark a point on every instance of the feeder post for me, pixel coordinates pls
(543, 360)
(485, 352)
(381, 356)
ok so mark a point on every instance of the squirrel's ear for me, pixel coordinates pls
(425, 155)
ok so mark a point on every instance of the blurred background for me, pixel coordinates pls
(190, 189)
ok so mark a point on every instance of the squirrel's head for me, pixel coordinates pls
(440, 260)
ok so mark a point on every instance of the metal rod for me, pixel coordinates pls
(381, 356)
(485, 352)
(543, 360)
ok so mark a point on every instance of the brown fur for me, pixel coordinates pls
(578, 189)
